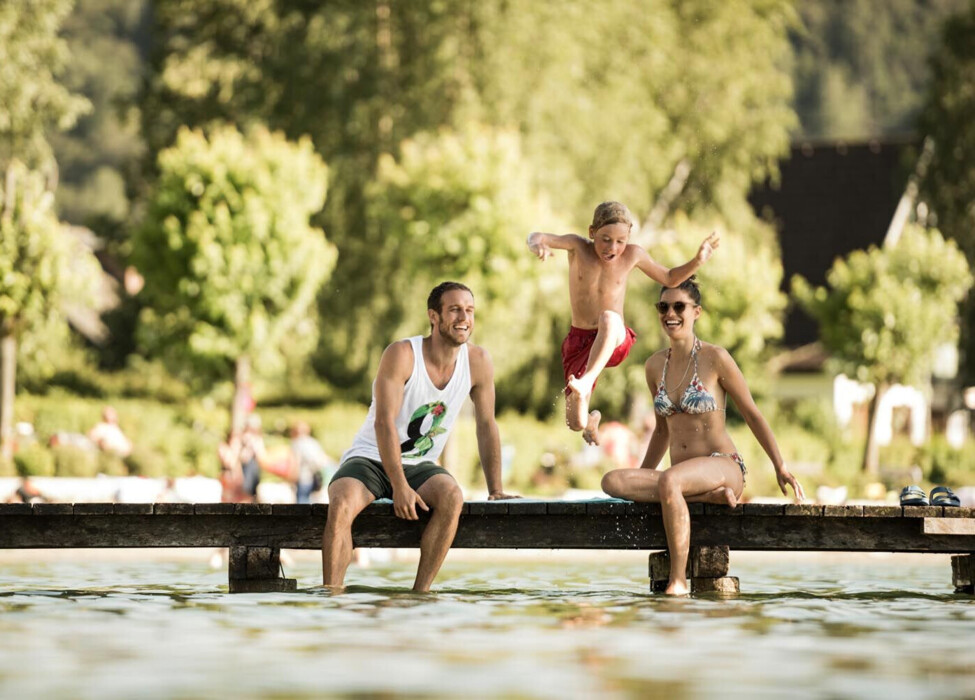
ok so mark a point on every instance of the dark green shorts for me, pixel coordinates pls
(371, 474)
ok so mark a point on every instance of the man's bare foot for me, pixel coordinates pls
(591, 432)
(677, 588)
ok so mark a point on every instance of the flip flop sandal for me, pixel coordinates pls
(913, 496)
(944, 496)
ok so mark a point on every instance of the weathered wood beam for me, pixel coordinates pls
(602, 524)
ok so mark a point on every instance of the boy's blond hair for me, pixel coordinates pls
(611, 213)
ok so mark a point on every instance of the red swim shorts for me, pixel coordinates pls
(576, 347)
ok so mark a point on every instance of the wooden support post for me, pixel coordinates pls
(963, 573)
(258, 570)
(707, 571)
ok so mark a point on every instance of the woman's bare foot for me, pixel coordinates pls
(591, 432)
(677, 588)
(729, 497)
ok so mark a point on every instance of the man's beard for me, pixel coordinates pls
(445, 334)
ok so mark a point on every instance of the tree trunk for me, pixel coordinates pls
(242, 394)
(8, 375)
(871, 455)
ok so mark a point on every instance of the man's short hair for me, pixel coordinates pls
(435, 300)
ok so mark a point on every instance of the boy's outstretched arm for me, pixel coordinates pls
(671, 277)
(541, 244)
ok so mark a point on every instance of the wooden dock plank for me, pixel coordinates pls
(532, 524)
(949, 526)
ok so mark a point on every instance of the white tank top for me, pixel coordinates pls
(426, 416)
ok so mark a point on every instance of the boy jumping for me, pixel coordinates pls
(598, 269)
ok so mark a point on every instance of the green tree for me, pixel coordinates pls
(41, 269)
(33, 103)
(230, 260)
(860, 68)
(949, 186)
(886, 310)
(98, 154)
(610, 99)
(453, 206)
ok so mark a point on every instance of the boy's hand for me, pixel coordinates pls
(537, 246)
(708, 247)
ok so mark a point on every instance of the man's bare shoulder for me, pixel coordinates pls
(397, 358)
(479, 357)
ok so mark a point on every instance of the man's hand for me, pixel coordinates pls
(501, 496)
(708, 247)
(537, 245)
(405, 503)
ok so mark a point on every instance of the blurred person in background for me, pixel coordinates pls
(309, 462)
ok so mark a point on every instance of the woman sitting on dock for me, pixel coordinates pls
(690, 382)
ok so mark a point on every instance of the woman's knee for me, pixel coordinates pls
(612, 483)
(345, 500)
(669, 485)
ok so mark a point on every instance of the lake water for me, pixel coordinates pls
(535, 626)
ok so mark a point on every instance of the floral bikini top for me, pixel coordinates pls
(696, 399)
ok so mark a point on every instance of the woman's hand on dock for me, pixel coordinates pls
(784, 477)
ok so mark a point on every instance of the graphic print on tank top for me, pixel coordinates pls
(419, 443)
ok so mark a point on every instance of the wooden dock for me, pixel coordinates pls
(255, 533)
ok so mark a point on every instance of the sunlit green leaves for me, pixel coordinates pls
(230, 260)
(886, 310)
(32, 101)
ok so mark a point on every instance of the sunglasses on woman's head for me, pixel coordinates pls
(679, 306)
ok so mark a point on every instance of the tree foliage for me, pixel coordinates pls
(230, 261)
(607, 99)
(41, 268)
(860, 69)
(886, 310)
(453, 206)
(101, 151)
(33, 102)
(949, 185)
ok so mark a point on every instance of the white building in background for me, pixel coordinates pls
(847, 394)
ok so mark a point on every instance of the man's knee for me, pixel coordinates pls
(346, 499)
(443, 494)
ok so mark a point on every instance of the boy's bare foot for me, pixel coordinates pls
(574, 417)
(583, 387)
(591, 432)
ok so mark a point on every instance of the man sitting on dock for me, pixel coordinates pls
(419, 389)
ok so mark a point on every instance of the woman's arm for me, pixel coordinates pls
(660, 438)
(733, 381)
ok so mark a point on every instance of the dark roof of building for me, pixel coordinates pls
(832, 198)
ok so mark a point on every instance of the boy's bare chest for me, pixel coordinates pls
(600, 278)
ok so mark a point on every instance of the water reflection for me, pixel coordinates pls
(533, 630)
